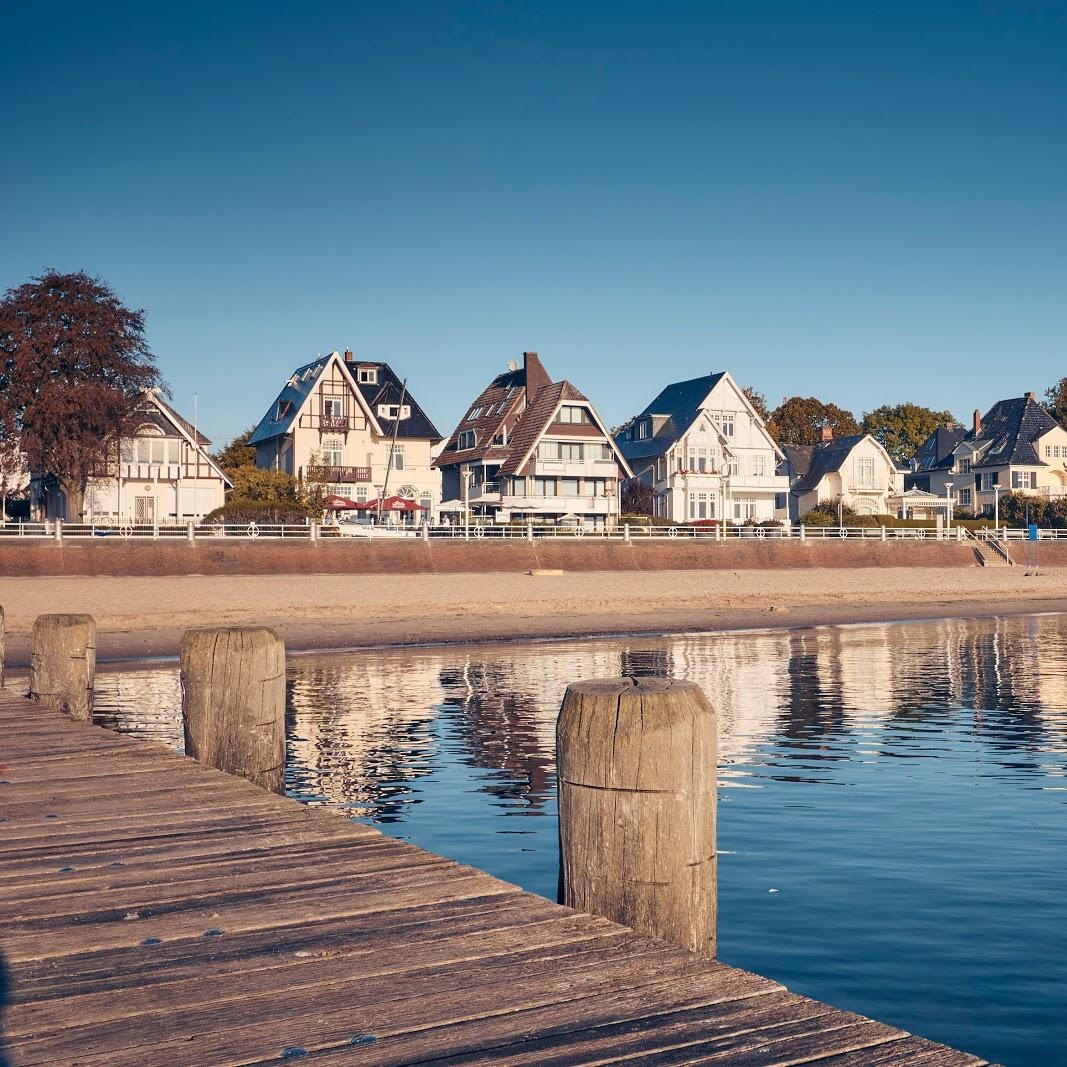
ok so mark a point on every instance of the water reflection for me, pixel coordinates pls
(900, 788)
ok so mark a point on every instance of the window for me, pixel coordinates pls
(988, 481)
(865, 472)
(601, 451)
(518, 486)
(284, 407)
(728, 425)
(779, 501)
(701, 506)
(561, 451)
(466, 439)
(367, 375)
(392, 411)
(339, 490)
(398, 457)
(759, 465)
(475, 413)
(571, 414)
(744, 510)
(964, 466)
(1022, 479)
(157, 450)
(731, 467)
(332, 451)
(544, 486)
(332, 407)
(644, 429)
(596, 487)
(361, 494)
(965, 497)
(568, 487)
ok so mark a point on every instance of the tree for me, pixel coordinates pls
(264, 487)
(800, 419)
(73, 363)
(636, 497)
(1056, 401)
(758, 401)
(238, 453)
(901, 428)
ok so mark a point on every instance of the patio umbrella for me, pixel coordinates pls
(399, 503)
(339, 503)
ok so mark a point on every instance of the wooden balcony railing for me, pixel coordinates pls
(338, 474)
(333, 422)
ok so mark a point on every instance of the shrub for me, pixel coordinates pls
(238, 512)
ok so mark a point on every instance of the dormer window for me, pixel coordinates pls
(475, 413)
(284, 407)
(644, 429)
(467, 439)
(573, 414)
(393, 411)
(367, 375)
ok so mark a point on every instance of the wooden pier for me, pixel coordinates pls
(157, 912)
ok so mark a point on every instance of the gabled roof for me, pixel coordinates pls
(824, 458)
(495, 408)
(280, 415)
(301, 383)
(387, 391)
(1011, 427)
(164, 411)
(679, 403)
(192, 433)
(935, 453)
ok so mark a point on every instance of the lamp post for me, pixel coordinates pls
(948, 491)
(840, 510)
(996, 509)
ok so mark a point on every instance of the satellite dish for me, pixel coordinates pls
(513, 364)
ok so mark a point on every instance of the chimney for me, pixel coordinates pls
(348, 355)
(1030, 396)
(534, 375)
(826, 434)
(977, 426)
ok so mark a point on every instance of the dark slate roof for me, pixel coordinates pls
(680, 403)
(935, 453)
(195, 434)
(826, 457)
(798, 460)
(500, 404)
(387, 391)
(294, 393)
(1011, 427)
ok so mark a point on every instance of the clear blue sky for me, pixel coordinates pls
(863, 201)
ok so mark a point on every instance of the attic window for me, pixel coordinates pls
(570, 413)
(644, 429)
(392, 411)
(466, 439)
(476, 413)
(307, 374)
(284, 407)
(367, 375)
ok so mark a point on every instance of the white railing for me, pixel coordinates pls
(253, 531)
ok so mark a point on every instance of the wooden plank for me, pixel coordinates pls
(279, 926)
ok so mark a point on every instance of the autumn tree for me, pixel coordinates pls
(758, 401)
(901, 428)
(799, 421)
(1056, 401)
(238, 453)
(73, 363)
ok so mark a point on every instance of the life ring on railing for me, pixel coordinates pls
(126, 529)
(579, 531)
(760, 531)
(842, 532)
(672, 531)
(479, 531)
(920, 534)
(252, 530)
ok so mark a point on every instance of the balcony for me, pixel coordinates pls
(336, 423)
(323, 473)
(562, 505)
(485, 491)
(775, 483)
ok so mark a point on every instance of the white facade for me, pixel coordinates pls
(862, 476)
(721, 466)
(332, 434)
(162, 474)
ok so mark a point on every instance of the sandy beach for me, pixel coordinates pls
(145, 617)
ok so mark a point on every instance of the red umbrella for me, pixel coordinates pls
(399, 503)
(339, 503)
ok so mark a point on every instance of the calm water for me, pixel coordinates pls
(893, 804)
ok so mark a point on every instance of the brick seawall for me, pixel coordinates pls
(144, 558)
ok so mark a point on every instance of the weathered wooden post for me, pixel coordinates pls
(636, 760)
(233, 702)
(63, 663)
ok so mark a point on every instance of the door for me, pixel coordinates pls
(144, 510)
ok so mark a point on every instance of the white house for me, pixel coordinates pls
(706, 453)
(162, 473)
(351, 425)
(532, 449)
(855, 470)
(1016, 446)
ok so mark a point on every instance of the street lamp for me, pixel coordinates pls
(996, 509)
(948, 491)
